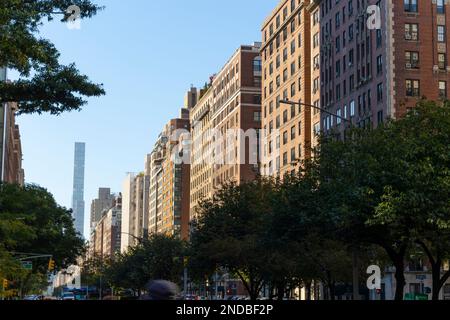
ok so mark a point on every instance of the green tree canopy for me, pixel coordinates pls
(44, 85)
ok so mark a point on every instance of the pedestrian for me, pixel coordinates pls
(161, 290)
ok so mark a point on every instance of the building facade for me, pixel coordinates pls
(101, 205)
(286, 56)
(379, 58)
(78, 186)
(11, 170)
(169, 182)
(225, 126)
(106, 236)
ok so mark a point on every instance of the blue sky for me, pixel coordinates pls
(147, 54)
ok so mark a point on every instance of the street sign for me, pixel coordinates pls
(27, 265)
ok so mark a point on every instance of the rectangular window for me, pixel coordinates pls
(440, 6)
(380, 92)
(293, 131)
(379, 64)
(412, 88)
(412, 31)
(441, 33)
(442, 61)
(410, 5)
(412, 59)
(443, 89)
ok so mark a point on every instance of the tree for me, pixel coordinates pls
(425, 134)
(37, 224)
(160, 257)
(230, 231)
(44, 85)
(354, 175)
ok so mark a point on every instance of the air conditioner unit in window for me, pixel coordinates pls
(408, 36)
(436, 68)
(408, 66)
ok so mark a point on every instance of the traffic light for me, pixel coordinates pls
(51, 265)
(5, 284)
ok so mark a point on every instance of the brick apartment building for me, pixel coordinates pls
(228, 109)
(169, 180)
(370, 74)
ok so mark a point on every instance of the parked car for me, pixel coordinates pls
(68, 296)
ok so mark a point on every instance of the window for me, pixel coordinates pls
(380, 117)
(379, 64)
(412, 59)
(316, 17)
(293, 131)
(293, 158)
(379, 38)
(292, 46)
(339, 115)
(293, 5)
(410, 5)
(257, 65)
(441, 33)
(442, 61)
(352, 108)
(257, 116)
(412, 88)
(285, 116)
(293, 87)
(285, 159)
(285, 138)
(440, 6)
(316, 40)
(380, 92)
(317, 129)
(443, 89)
(411, 31)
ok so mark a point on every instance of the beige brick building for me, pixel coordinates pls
(286, 56)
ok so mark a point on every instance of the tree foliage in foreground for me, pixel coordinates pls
(45, 86)
(31, 221)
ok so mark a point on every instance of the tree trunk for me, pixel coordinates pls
(280, 291)
(436, 265)
(399, 278)
(308, 291)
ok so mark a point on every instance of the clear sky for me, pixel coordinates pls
(147, 53)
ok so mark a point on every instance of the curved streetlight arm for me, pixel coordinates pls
(314, 107)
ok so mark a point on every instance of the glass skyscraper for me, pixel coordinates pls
(78, 186)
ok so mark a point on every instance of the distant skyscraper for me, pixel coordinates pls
(78, 187)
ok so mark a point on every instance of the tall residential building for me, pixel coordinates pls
(226, 123)
(133, 224)
(201, 154)
(101, 205)
(169, 182)
(372, 72)
(106, 236)
(78, 186)
(11, 170)
(286, 55)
